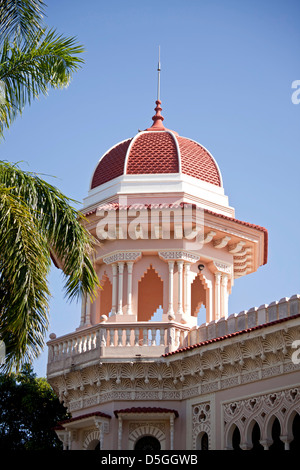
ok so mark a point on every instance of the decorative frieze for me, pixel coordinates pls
(179, 255)
(122, 256)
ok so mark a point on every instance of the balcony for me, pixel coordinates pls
(121, 341)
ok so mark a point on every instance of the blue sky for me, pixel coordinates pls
(227, 73)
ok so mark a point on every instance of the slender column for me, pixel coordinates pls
(129, 287)
(120, 433)
(120, 300)
(83, 310)
(224, 309)
(187, 290)
(217, 295)
(180, 286)
(114, 289)
(171, 432)
(209, 302)
(171, 272)
(88, 311)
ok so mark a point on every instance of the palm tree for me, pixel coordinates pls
(37, 222)
(32, 58)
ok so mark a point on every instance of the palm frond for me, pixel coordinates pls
(35, 219)
(29, 69)
(20, 18)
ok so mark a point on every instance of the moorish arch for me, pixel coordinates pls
(199, 294)
(104, 297)
(150, 294)
(155, 430)
(92, 440)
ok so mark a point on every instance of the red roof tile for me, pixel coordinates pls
(78, 418)
(146, 410)
(197, 162)
(151, 153)
(157, 153)
(231, 335)
(111, 165)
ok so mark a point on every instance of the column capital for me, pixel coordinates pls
(122, 256)
(179, 255)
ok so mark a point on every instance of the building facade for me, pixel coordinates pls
(140, 372)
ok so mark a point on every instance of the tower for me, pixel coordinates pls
(140, 372)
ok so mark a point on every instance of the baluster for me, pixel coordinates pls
(128, 332)
(153, 334)
(136, 336)
(103, 337)
(161, 337)
(55, 351)
(120, 337)
(177, 338)
(145, 337)
(110, 338)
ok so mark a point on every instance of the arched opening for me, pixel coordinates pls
(147, 444)
(202, 441)
(295, 443)
(150, 294)
(277, 443)
(105, 296)
(94, 444)
(198, 296)
(236, 439)
(255, 438)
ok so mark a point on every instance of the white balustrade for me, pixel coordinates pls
(151, 336)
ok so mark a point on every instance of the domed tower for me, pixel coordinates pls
(140, 372)
(169, 239)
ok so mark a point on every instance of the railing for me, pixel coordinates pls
(148, 339)
(152, 339)
(256, 316)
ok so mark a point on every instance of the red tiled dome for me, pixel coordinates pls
(157, 150)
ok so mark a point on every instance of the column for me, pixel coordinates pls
(120, 300)
(88, 311)
(114, 289)
(171, 432)
(180, 287)
(120, 433)
(129, 287)
(83, 310)
(171, 272)
(224, 302)
(187, 290)
(217, 295)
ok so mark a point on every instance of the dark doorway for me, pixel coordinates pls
(147, 444)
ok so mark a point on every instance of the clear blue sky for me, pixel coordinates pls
(227, 71)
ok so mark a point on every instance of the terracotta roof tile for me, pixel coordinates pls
(231, 335)
(157, 153)
(78, 418)
(153, 152)
(111, 165)
(146, 410)
(197, 162)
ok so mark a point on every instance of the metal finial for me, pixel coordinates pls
(158, 69)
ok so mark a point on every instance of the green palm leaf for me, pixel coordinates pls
(37, 219)
(28, 69)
